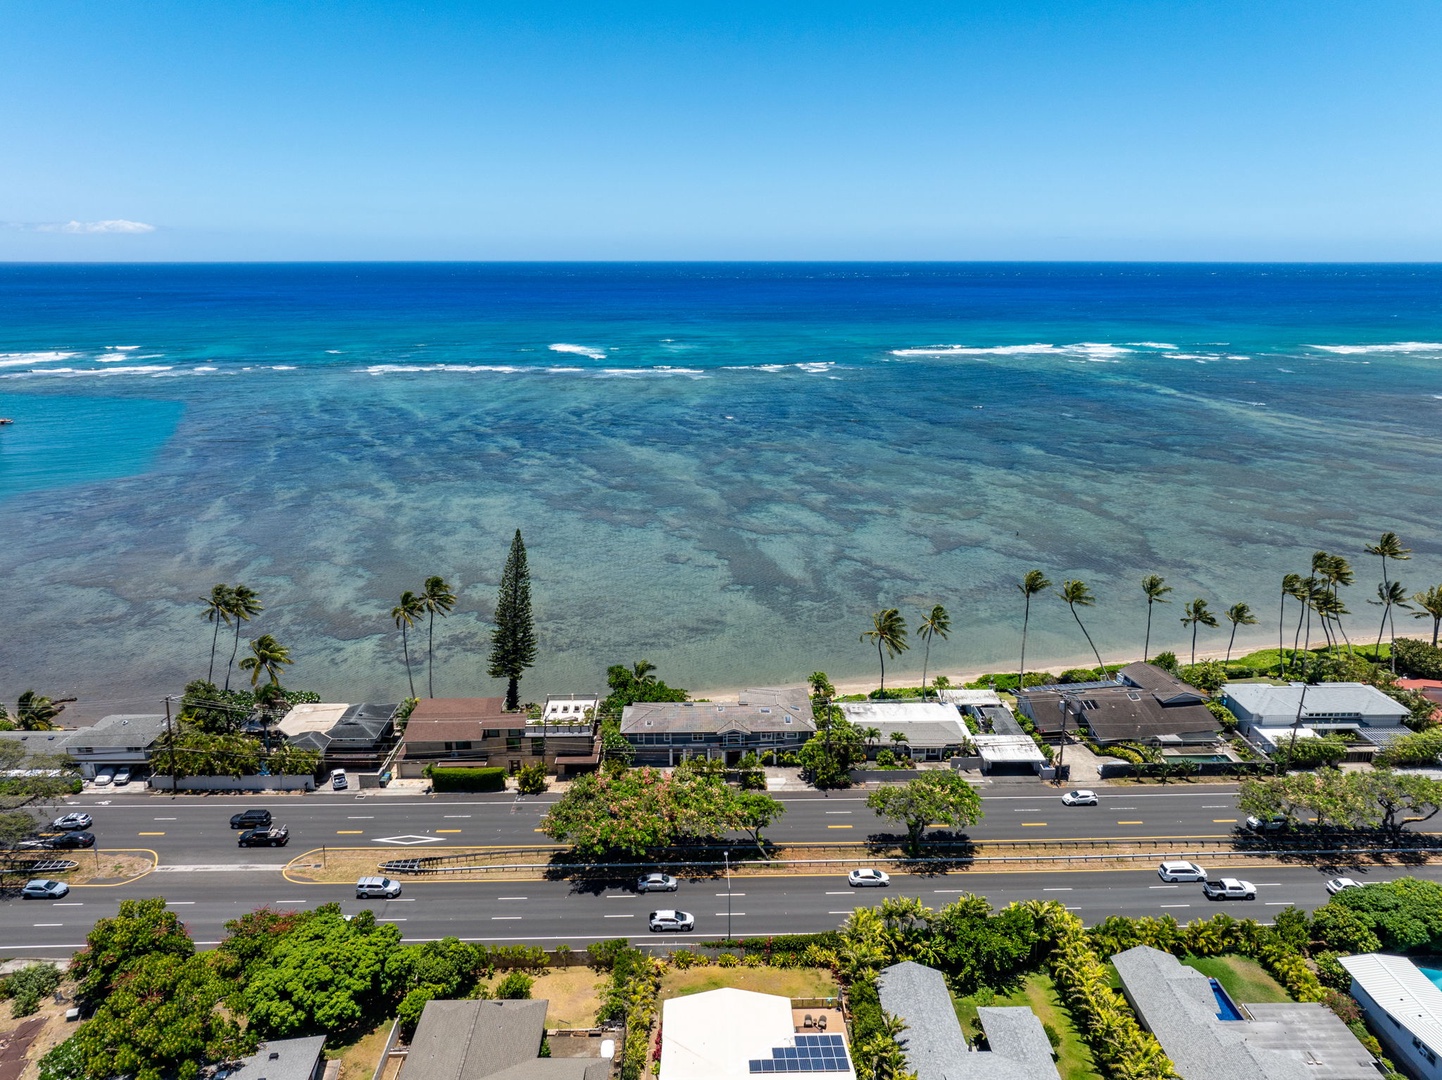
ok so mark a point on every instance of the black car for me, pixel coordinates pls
(250, 819)
(277, 836)
(71, 840)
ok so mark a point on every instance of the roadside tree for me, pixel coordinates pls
(142, 928)
(934, 798)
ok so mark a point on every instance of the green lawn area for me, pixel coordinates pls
(1038, 992)
(784, 982)
(1267, 658)
(1245, 980)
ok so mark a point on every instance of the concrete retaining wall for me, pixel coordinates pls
(235, 783)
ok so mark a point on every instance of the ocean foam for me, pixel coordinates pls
(283, 367)
(123, 348)
(204, 370)
(594, 352)
(1087, 350)
(23, 359)
(1153, 345)
(77, 373)
(1394, 347)
(404, 369)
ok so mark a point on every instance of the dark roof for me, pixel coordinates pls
(479, 1040)
(1165, 686)
(463, 708)
(706, 717)
(279, 1059)
(364, 723)
(1123, 710)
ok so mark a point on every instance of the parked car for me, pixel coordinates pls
(275, 836)
(122, 775)
(250, 819)
(657, 883)
(1080, 798)
(103, 777)
(71, 821)
(1275, 823)
(1229, 888)
(44, 889)
(70, 840)
(672, 920)
(383, 887)
(1181, 871)
(338, 781)
(862, 877)
(1338, 884)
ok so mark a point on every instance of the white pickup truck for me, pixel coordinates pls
(1229, 888)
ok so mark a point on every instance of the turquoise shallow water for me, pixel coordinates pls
(721, 469)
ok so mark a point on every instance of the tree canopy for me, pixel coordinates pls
(933, 798)
(513, 642)
(1377, 799)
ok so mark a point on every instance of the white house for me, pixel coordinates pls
(1403, 1007)
(733, 1034)
(114, 741)
(1324, 707)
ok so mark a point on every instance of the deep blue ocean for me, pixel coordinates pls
(722, 468)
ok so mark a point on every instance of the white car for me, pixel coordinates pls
(1229, 888)
(859, 878)
(338, 781)
(122, 776)
(1337, 884)
(104, 776)
(71, 822)
(1181, 871)
(672, 920)
(657, 883)
(383, 887)
(41, 889)
(1079, 798)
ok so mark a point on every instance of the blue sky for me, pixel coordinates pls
(962, 130)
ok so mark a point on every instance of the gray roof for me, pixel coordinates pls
(1289, 1041)
(474, 1040)
(933, 1041)
(1163, 685)
(922, 734)
(795, 698)
(279, 1059)
(120, 730)
(40, 742)
(1398, 986)
(1001, 719)
(1115, 712)
(1278, 704)
(710, 718)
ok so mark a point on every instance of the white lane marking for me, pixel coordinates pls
(1278, 903)
(360, 817)
(49, 924)
(513, 898)
(390, 920)
(504, 918)
(829, 812)
(455, 815)
(70, 903)
(407, 900)
(1164, 886)
(1059, 889)
(730, 894)
(621, 896)
(180, 903)
(848, 911)
(1268, 884)
(1027, 810)
(167, 819)
(725, 913)
(290, 901)
(1217, 806)
(847, 893)
(1123, 807)
(1174, 905)
(618, 916)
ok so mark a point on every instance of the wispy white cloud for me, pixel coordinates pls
(115, 226)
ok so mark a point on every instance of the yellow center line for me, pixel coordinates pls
(1130, 823)
(839, 826)
(447, 830)
(350, 832)
(152, 834)
(1224, 821)
(1032, 824)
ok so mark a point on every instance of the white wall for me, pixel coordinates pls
(236, 783)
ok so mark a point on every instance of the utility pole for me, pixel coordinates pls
(1061, 752)
(727, 856)
(170, 737)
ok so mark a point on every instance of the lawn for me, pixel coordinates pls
(787, 982)
(1245, 980)
(358, 1059)
(574, 994)
(1038, 992)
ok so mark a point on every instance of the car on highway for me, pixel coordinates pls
(71, 821)
(1340, 884)
(275, 836)
(1080, 798)
(103, 777)
(1229, 888)
(1176, 870)
(72, 839)
(672, 920)
(250, 819)
(122, 776)
(657, 883)
(1275, 823)
(44, 889)
(371, 887)
(338, 781)
(860, 878)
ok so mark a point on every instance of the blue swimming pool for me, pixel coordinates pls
(1433, 976)
(1226, 1008)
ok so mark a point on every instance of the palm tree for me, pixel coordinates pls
(405, 615)
(889, 632)
(898, 739)
(1290, 584)
(1389, 546)
(244, 602)
(35, 712)
(1389, 595)
(436, 596)
(1196, 613)
(1296, 586)
(1338, 571)
(1237, 615)
(937, 624)
(1076, 594)
(870, 736)
(641, 671)
(217, 610)
(1034, 582)
(1156, 588)
(1431, 604)
(266, 655)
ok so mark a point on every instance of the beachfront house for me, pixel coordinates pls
(480, 732)
(1268, 715)
(1016, 1046)
(921, 730)
(666, 732)
(1143, 704)
(1403, 1007)
(348, 736)
(116, 741)
(1209, 1036)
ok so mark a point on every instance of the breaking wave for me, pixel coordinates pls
(594, 352)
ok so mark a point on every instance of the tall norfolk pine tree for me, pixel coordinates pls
(513, 642)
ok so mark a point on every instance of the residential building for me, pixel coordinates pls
(1143, 704)
(731, 1034)
(115, 741)
(966, 700)
(929, 731)
(570, 708)
(1367, 718)
(1403, 1007)
(490, 1040)
(479, 731)
(665, 732)
(276, 1059)
(1208, 1036)
(936, 1048)
(347, 736)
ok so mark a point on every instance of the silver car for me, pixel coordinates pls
(657, 883)
(371, 887)
(43, 889)
(672, 920)
(862, 877)
(71, 822)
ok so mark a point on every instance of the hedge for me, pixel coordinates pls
(489, 779)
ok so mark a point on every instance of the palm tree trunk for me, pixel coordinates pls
(406, 648)
(1025, 619)
(1230, 640)
(1194, 643)
(925, 663)
(1282, 636)
(882, 660)
(1377, 655)
(1297, 637)
(1147, 644)
(1100, 665)
(431, 656)
(214, 640)
(234, 652)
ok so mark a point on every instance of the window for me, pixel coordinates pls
(788, 720)
(768, 736)
(490, 733)
(697, 736)
(464, 745)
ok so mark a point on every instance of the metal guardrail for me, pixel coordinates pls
(45, 866)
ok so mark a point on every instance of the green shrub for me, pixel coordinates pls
(1227, 718)
(531, 780)
(1078, 674)
(1421, 748)
(515, 987)
(411, 1007)
(1315, 753)
(463, 779)
(1167, 661)
(885, 759)
(27, 986)
(1417, 659)
(1209, 676)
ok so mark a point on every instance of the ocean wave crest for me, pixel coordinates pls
(593, 351)
(415, 369)
(22, 359)
(1152, 345)
(1099, 351)
(80, 373)
(1393, 347)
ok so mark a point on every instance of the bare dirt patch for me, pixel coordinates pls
(358, 1060)
(574, 995)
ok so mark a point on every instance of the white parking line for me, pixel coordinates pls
(731, 894)
(390, 920)
(1027, 810)
(737, 913)
(456, 815)
(513, 898)
(180, 903)
(1278, 903)
(839, 893)
(847, 912)
(1268, 884)
(290, 901)
(618, 916)
(830, 812)
(49, 924)
(70, 903)
(167, 819)
(620, 896)
(360, 817)
(1164, 886)
(397, 900)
